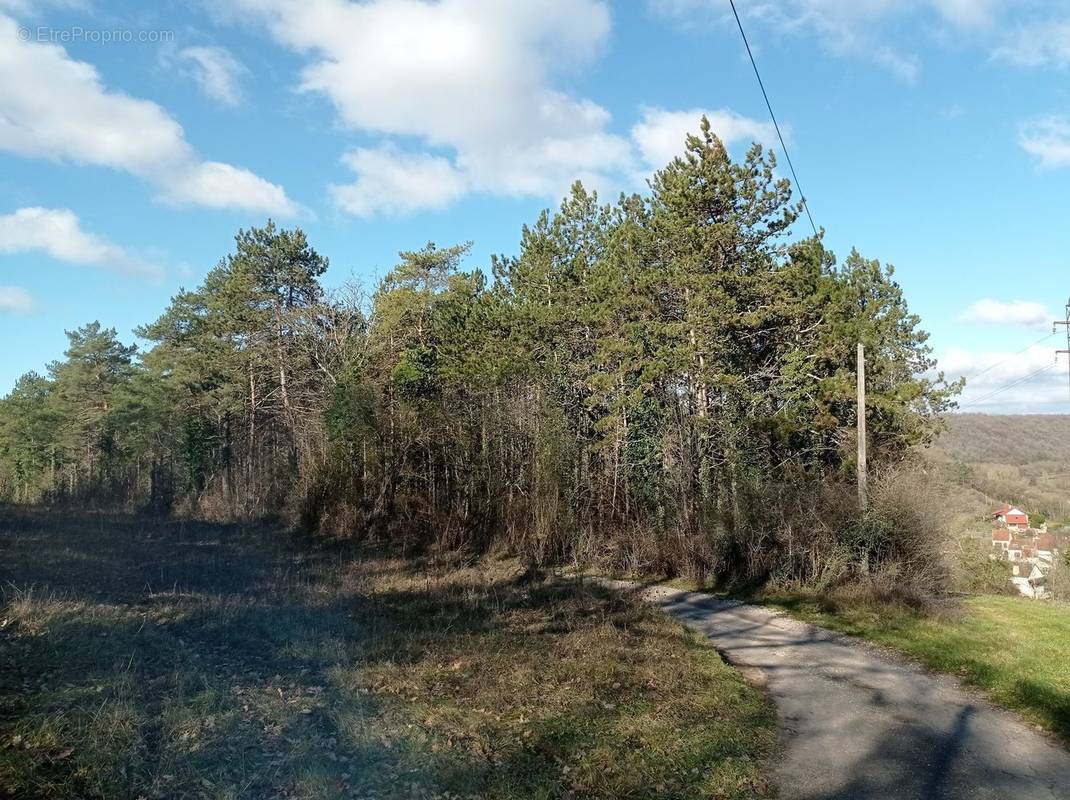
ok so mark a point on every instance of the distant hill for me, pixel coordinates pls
(1007, 438)
(1020, 459)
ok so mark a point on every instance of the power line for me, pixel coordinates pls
(1009, 358)
(772, 116)
(1008, 386)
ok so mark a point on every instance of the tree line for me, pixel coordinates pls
(665, 381)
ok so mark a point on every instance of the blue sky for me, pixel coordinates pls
(135, 139)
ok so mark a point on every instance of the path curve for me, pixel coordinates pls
(859, 723)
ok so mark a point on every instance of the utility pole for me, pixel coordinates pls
(1065, 322)
(863, 499)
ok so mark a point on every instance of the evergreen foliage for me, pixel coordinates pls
(650, 380)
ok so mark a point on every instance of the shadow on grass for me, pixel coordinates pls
(176, 659)
(160, 656)
(582, 690)
(1053, 704)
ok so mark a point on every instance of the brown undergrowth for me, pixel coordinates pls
(177, 660)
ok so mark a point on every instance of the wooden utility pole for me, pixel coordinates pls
(863, 498)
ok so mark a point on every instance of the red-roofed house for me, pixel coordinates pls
(1021, 548)
(1012, 517)
(1001, 539)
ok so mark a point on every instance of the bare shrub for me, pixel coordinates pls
(910, 502)
(973, 571)
(791, 534)
(330, 503)
(808, 532)
(635, 550)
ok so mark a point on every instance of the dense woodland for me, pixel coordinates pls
(1020, 459)
(1019, 439)
(666, 381)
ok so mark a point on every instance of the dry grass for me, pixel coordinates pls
(175, 661)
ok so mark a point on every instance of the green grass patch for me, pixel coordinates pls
(173, 661)
(1017, 651)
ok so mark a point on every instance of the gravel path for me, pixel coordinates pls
(858, 723)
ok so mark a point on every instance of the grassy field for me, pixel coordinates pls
(146, 660)
(1017, 651)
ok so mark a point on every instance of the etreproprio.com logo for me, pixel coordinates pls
(45, 34)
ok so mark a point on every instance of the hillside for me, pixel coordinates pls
(1007, 438)
(1022, 459)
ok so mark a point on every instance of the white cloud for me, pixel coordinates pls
(216, 71)
(54, 107)
(462, 97)
(392, 182)
(856, 28)
(1038, 44)
(1048, 140)
(58, 232)
(1007, 312)
(1008, 382)
(471, 79)
(661, 134)
(213, 184)
(14, 300)
(970, 13)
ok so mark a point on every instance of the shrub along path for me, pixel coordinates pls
(858, 723)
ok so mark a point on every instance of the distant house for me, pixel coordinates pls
(1026, 569)
(1030, 553)
(1028, 578)
(1011, 516)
